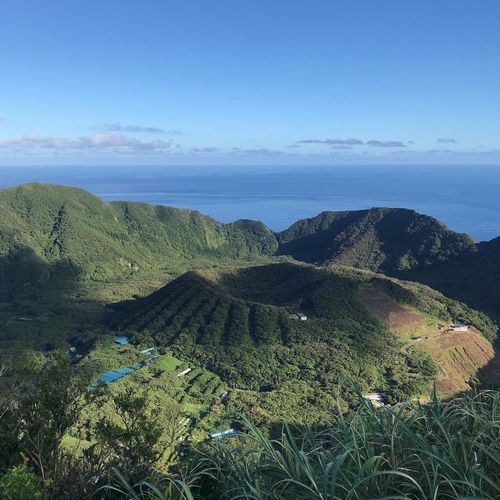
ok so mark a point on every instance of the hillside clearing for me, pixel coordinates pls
(400, 319)
(463, 357)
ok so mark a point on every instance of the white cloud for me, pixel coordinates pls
(98, 141)
(208, 149)
(118, 127)
(335, 143)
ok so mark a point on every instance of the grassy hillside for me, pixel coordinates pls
(401, 243)
(55, 236)
(440, 450)
(57, 243)
(65, 256)
(463, 358)
(473, 277)
(237, 324)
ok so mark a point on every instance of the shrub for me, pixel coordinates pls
(21, 483)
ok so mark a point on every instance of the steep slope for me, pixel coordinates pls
(238, 324)
(462, 357)
(65, 234)
(55, 237)
(473, 277)
(405, 244)
(379, 239)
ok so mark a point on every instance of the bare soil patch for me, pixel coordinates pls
(463, 356)
(396, 317)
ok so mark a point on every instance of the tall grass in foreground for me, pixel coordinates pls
(434, 451)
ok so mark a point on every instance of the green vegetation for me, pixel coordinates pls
(437, 305)
(61, 441)
(472, 277)
(130, 247)
(227, 349)
(57, 237)
(20, 483)
(379, 239)
(440, 450)
(405, 244)
(237, 324)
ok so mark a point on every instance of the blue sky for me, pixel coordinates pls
(260, 82)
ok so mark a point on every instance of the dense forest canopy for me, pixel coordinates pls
(42, 227)
(228, 328)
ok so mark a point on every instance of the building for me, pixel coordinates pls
(184, 372)
(229, 433)
(459, 328)
(376, 398)
(298, 316)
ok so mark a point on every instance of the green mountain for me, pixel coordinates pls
(472, 277)
(240, 324)
(379, 239)
(232, 319)
(54, 237)
(405, 244)
(60, 235)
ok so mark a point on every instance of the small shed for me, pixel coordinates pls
(184, 372)
(298, 316)
(376, 398)
(459, 327)
(228, 433)
(148, 350)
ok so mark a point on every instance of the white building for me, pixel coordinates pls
(298, 315)
(184, 372)
(374, 396)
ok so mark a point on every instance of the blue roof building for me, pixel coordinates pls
(228, 433)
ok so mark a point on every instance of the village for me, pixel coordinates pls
(150, 355)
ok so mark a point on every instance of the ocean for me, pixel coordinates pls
(465, 198)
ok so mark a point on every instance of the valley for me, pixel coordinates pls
(225, 300)
(196, 327)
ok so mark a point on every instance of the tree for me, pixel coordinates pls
(47, 408)
(140, 433)
(20, 483)
(9, 450)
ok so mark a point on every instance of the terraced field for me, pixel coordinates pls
(238, 324)
(195, 395)
(463, 357)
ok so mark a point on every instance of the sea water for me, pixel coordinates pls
(465, 198)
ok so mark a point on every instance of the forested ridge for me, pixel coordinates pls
(213, 342)
(56, 236)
